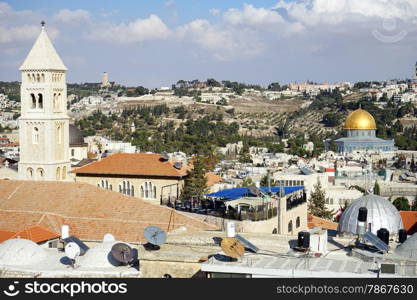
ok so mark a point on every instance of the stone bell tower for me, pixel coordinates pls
(43, 124)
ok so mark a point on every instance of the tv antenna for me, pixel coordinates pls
(232, 247)
(123, 253)
(72, 251)
(155, 237)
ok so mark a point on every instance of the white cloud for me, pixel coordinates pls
(251, 15)
(67, 16)
(215, 12)
(151, 28)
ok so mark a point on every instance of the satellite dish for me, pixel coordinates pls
(108, 237)
(232, 247)
(178, 165)
(165, 155)
(123, 253)
(72, 250)
(155, 235)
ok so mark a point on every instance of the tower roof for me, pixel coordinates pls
(43, 56)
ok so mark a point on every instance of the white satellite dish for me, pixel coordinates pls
(108, 237)
(72, 250)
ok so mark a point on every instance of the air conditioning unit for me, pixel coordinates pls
(318, 240)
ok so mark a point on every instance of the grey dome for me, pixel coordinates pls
(381, 214)
(19, 252)
(409, 248)
(75, 135)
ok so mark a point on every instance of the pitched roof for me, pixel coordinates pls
(5, 235)
(43, 56)
(90, 211)
(145, 164)
(313, 221)
(212, 179)
(36, 233)
(409, 221)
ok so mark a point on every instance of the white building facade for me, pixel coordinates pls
(43, 125)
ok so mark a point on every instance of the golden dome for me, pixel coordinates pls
(360, 119)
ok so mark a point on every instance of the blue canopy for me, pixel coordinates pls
(235, 193)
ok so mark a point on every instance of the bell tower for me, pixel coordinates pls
(44, 123)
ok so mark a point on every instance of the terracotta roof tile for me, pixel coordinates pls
(148, 164)
(88, 210)
(36, 233)
(212, 179)
(313, 221)
(409, 221)
(5, 235)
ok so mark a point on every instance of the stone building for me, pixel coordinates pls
(43, 124)
(143, 175)
(360, 127)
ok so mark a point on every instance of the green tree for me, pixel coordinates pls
(401, 203)
(246, 182)
(317, 203)
(414, 206)
(195, 183)
(377, 189)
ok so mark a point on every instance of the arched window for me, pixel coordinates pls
(126, 187)
(297, 222)
(35, 135)
(43, 77)
(33, 103)
(104, 183)
(54, 100)
(148, 190)
(40, 174)
(58, 102)
(64, 173)
(290, 227)
(58, 173)
(40, 100)
(72, 152)
(59, 134)
(29, 173)
(38, 78)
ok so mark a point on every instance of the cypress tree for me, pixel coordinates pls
(317, 203)
(195, 183)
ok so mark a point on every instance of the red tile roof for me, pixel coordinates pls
(409, 221)
(5, 235)
(313, 221)
(36, 233)
(212, 179)
(90, 211)
(145, 164)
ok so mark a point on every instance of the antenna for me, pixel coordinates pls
(232, 247)
(155, 237)
(123, 253)
(72, 251)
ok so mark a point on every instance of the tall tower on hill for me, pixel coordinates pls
(43, 124)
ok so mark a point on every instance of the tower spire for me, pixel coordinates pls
(43, 24)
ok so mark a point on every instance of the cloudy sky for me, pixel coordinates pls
(155, 43)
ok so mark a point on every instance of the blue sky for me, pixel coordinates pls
(156, 43)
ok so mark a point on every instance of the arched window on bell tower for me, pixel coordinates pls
(33, 101)
(35, 135)
(40, 101)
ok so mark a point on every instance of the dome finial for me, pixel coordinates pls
(43, 24)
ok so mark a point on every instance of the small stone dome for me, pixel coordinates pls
(381, 214)
(20, 252)
(75, 135)
(409, 248)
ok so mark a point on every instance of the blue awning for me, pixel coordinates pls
(235, 193)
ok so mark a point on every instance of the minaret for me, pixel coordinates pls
(43, 124)
(415, 73)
